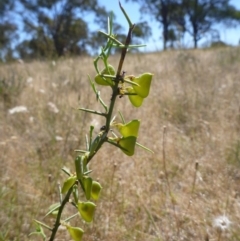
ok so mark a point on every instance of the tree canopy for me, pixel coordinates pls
(201, 15)
(196, 17)
(53, 28)
(7, 28)
(58, 26)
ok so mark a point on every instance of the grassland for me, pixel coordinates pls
(191, 121)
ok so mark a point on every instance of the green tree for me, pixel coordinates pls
(166, 12)
(141, 31)
(197, 17)
(7, 29)
(202, 15)
(230, 15)
(58, 26)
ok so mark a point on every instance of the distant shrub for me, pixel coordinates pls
(217, 44)
(10, 89)
(233, 153)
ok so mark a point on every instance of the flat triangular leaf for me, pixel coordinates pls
(87, 182)
(86, 210)
(128, 145)
(75, 233)
(135, 99)
(96, 189)
(105, 80)
(129, 129)
(68, 184)
(144, 82)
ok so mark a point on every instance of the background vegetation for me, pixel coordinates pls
(53, 28)
(178, 193)
(188, 189)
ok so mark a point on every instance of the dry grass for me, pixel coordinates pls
(194, 97)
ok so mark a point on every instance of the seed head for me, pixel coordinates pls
(221, 223)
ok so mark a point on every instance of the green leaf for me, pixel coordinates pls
(107, 81)
(87, 182)
(40, 225)
(75, 193)
(127, 145)
(68, 184)
(79, 166)
(53, 209)
(129, 129)
(144, 83)
(96, 189)
(91, 134)
(135, 99)
(95, 144)
(75, 233)
(126, 15)
(86, 210)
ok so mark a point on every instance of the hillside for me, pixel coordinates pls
(191, 121)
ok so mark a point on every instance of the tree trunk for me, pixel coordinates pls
(165, 36)
(195, 41)
(58, 46)
(164, 13)
(195, 34)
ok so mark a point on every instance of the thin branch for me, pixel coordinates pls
(124, 50)
(57, 222)
(93, 112)
(108, 116)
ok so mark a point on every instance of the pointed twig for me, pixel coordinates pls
(124, 50)
(126, 16)
(93, 112)
(69, 218)
(144, 147)
(43, 224)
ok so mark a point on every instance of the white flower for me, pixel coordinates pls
(58, 138)
(31, 119)
(29, 80)
(53, 107)
(221, 223)
(42, 91)
(54, 85)
(18, 109)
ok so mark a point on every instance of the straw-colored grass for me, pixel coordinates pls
(191, 121)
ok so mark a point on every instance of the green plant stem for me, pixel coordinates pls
(110, 111)
(57, 222)
(115, 93)
(112, 38)
(118, 77)
(125, 14)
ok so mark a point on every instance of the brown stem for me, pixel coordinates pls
(124, 51)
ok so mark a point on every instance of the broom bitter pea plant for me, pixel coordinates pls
(137, 89)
